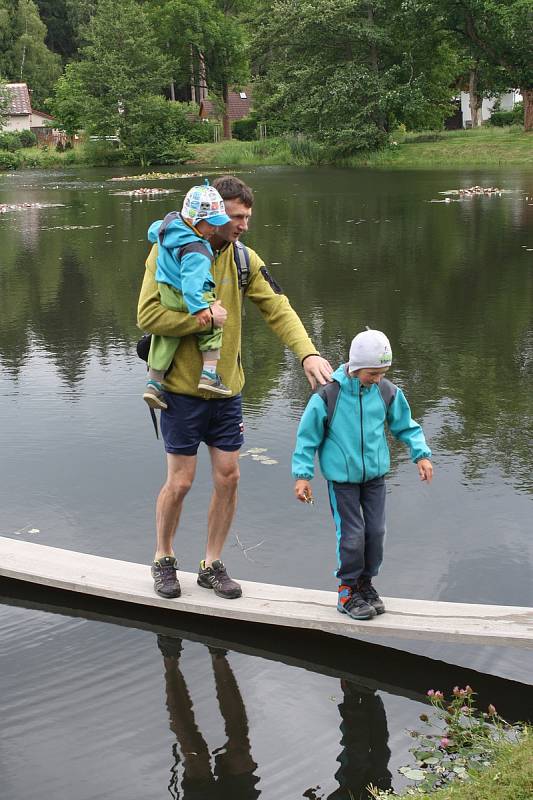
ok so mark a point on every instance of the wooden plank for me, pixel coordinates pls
(264, 603)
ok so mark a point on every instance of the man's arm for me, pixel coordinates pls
(285, 322)
(155, 318)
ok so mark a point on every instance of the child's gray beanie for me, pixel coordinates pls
(370, 350)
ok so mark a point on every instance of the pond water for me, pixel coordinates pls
(98, 710)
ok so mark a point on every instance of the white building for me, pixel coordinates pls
(19, 115)
(506, 102)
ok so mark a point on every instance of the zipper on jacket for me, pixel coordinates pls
(362, 440)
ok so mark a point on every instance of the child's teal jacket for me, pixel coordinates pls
(191, 275)
(353, 448)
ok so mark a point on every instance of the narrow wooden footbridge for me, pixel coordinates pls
(262, 603)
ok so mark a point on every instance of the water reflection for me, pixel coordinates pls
(228, 772)
(365, 753)
(232, 776)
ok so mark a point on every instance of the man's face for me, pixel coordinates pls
(239, 215)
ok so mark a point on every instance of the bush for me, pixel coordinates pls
(27, 139)
(102, 154)
(200, 132)
(154, 132)
(500, 119)
(8, 160)
(245, 129)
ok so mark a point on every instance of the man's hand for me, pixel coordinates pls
(303, 491)
(425, 469)
(220, 314)
(317, 370)
(204, 317)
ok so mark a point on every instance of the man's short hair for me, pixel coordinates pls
(232, 188)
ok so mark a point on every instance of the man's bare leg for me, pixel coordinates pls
(212, 573)
(180, 475)
(226, 474)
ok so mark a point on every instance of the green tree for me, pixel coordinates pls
(154, 131)
(24, 56)
(121, 62)
(60, 35)
(4, 103)
(347, 70)
(499, 36)
(68, 105)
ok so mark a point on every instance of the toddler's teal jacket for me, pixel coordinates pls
(353, 448)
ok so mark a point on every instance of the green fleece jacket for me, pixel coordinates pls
(275, 308)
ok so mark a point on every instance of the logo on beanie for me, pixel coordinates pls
(385, 358)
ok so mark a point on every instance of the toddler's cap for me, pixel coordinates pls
(370, 350)
(204, 202)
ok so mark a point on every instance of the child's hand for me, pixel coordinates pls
(425, 469)
(303, 491)
(204, 317)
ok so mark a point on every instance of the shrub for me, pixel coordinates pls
(27, 139)
(8, 160)
(102, 154)
(154, 132)
(200, 132)
(245, 129)
(501, 119)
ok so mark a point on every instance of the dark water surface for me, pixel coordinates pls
(96, 710)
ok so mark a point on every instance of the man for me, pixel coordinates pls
(192, 415)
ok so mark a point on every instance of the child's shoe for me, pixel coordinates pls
(154, 395)
(370, 596)
(351, 602)
(210, 382)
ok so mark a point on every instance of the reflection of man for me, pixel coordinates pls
(233, 776)
(192, 416)
(365, 753)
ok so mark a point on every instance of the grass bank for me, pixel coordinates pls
(483, 147)
(509, 778)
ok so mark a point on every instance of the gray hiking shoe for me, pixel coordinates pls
(351, 602)
(216, 577)
(154, 395)
(166, 582)
(215, 385)
(370, 596)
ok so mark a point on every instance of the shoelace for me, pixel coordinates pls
(355, 600)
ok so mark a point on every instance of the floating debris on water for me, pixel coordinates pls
(159, 176)
(145, 191)
(6, 207)
(477, 191)
(257, 454)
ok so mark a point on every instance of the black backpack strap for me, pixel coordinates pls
(241, 257)
(329, 394)
(194, 247)
(388, 391)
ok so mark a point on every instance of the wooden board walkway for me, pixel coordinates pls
(264, 603)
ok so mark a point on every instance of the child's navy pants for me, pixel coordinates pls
(359, 513)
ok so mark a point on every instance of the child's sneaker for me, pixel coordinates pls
(154, 395)
(212, 383)
(370, 596)
(351, 602)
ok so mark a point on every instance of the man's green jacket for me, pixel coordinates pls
(277, 311)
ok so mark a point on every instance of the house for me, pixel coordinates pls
(506, 102)
(239, 105)
(20, 116)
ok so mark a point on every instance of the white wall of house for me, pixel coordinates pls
(507, 103)
(39, 120)
(17, 122)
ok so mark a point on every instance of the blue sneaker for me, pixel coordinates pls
(351, 602)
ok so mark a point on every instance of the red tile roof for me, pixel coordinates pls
(20, 99)
(238, 107)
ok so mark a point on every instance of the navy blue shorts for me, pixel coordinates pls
(191, 420)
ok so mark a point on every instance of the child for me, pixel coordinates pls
(186, 284)
(345, 422)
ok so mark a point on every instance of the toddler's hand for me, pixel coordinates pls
(425, 469)
(204, 317)
(303, 491)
